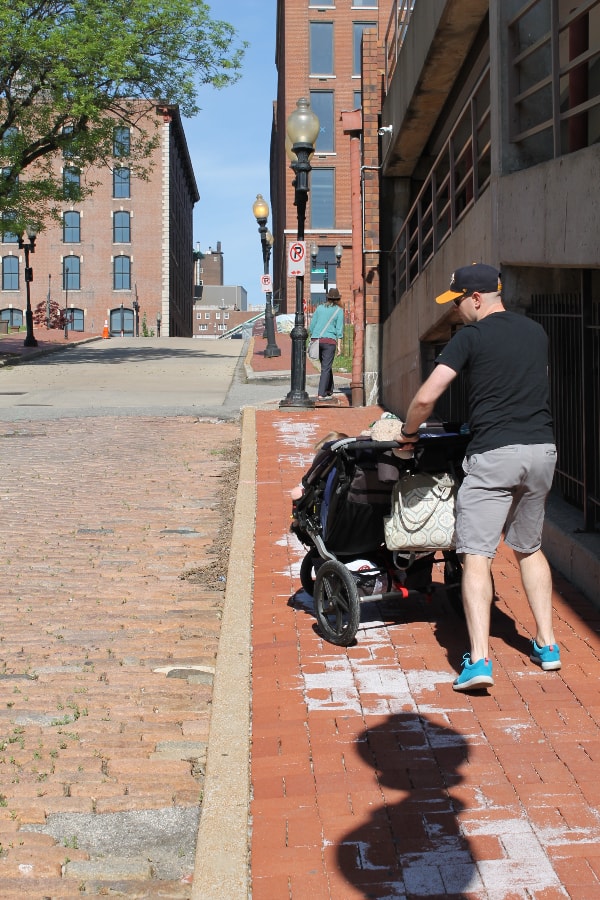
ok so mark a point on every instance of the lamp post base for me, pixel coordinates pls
(271, 349)
(298, 400)
(30, 340)
(297, 395)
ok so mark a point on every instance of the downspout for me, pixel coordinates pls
(352, 125)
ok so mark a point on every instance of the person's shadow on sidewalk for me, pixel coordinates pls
(413, 846)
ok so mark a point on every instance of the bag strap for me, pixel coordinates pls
(330, 319)
(443, 493)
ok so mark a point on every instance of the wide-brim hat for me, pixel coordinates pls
(468, 279)
(333, 294)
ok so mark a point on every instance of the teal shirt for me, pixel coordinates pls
(335, 328)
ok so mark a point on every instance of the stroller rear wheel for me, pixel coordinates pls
(337, 605)
(307, 573)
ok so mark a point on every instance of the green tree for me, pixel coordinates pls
(70, 72)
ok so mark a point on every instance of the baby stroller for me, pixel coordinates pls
(340, 519)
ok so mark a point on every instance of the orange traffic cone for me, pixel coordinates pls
(105, 333)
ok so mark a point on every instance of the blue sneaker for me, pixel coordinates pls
(474, 675)
(546, 657)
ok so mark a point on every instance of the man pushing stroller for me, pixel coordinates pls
(510, 459)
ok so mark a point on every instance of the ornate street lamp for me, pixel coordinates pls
(314, 252)
(158, 323)
(29, 247)
(260, 208)
(302, 131)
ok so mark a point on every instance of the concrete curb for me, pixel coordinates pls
(222, 848)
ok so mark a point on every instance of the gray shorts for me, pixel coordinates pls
(504, 490)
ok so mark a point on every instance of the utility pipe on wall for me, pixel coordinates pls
(352, 125)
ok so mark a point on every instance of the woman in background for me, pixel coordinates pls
(327, 324)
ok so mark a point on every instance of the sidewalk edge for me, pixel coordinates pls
(222, 848)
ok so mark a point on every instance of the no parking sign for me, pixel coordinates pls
(296, 258)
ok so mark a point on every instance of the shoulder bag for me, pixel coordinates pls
(423, 513)
(313, 343)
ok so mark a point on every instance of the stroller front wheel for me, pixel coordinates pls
(337, 604)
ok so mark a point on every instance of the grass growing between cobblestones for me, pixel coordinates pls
(213, 576)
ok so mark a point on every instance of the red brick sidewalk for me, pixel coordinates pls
(11, 345)
(371, 777)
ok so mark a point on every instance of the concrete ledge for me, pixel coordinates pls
(222, 849)
(574, 553)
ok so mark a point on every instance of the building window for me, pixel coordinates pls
(121, 141)
(8, 236)
(221, 327)
(321, 3)
(321, 48)
(372, 3)
(225, 315)
(122, 273)
(71, 183)
(71, 273)
(6, 222)
(217, 315)
(71, 227)
(122, 228)
(69, 147)
(203, 328)
(324, 266)
(357, 33)
(14, 317)
(207, 315)
(75, 318)
(322, 209)
(322, 104)
(357, 99)
(121, 182)
(10, 273)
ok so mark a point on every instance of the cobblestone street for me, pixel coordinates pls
(106, 654)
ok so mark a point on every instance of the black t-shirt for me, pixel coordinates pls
(505, 356)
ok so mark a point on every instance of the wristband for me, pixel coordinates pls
(408, 434)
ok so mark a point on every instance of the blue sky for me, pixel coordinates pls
(229, 147)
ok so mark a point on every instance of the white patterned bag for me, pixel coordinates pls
(423, 513)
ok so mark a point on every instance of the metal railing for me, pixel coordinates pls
(553, 77)
(460, 174)
(394, 35)
(572, 322)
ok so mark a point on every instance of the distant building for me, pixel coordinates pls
(221, 308)
(130, 242)
(318, 56)
(212, 266)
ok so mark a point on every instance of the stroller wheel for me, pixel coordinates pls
(337, 605)
(307, 573)
(452, 581)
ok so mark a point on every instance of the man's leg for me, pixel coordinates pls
(477, 594)
(537, 581)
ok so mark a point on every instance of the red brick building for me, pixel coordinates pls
(319, 57)
(130, 243)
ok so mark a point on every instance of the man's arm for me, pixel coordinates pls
(425, 399)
